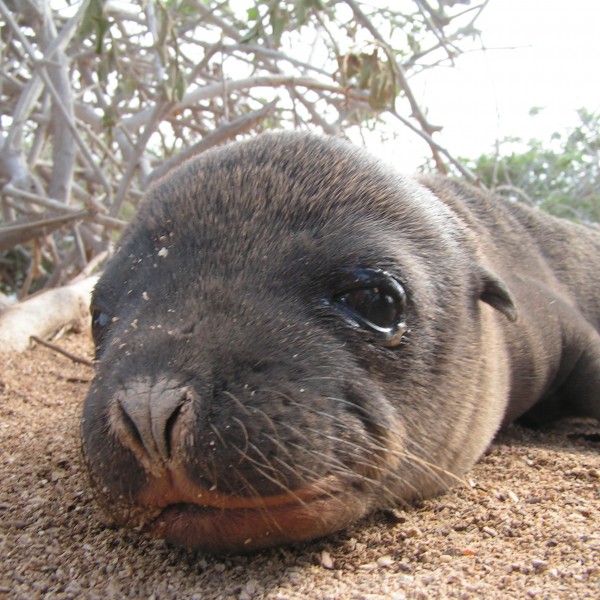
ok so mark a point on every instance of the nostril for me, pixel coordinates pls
(128, 429)
(149, 414)
(169, 426)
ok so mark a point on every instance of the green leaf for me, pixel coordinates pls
(250, 35)
(180, 86)
(278, 20)
(95, 24)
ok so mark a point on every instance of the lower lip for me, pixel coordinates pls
(242, 530)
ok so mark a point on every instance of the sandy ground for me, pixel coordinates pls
(524, 525)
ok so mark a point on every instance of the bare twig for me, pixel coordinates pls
(220, 135)
(416, 111)
(59, 350)
(19, 233)
(433, 144)
(158, 111)
(215, 90)
(88, 116)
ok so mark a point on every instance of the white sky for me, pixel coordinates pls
(542, 53)
(555, 65)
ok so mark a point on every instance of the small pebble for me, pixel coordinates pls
(538, 564)
(412, 532)
(326, 560)
(385, 561)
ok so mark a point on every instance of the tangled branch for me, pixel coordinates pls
(98, 99)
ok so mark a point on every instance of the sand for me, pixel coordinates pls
(525, 524)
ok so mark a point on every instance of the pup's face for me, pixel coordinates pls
(276, 348)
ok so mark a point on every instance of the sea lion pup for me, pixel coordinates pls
(292, 335)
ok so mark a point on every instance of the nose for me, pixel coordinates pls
(150, 412)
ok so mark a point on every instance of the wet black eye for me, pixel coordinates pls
(100, 322)
(373, 304)
(376, 302)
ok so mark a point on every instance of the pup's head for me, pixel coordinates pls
(277, 348)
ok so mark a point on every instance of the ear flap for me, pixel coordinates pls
(494, 292)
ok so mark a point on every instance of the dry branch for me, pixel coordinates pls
(97, 99)
(45, 315)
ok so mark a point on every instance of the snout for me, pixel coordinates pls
(217, 474)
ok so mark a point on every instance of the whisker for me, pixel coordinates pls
(259, 468)
(427, 467)
(244, 431)
(359, 453)
(239, 403)
(261, 506)
(216, 431)
(432, 469)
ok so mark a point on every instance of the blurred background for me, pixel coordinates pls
(99, 98)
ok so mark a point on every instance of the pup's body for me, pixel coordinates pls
(291, 335)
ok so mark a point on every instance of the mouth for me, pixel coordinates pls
(242, 530)
(218, 523)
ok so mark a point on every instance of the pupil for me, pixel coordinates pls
(373, 305)
(382, 311)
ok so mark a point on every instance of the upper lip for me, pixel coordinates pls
(175, 487)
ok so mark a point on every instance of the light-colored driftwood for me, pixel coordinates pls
(45, 315)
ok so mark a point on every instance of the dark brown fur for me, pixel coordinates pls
(234, 407)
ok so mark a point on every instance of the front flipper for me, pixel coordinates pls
(576, 392)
